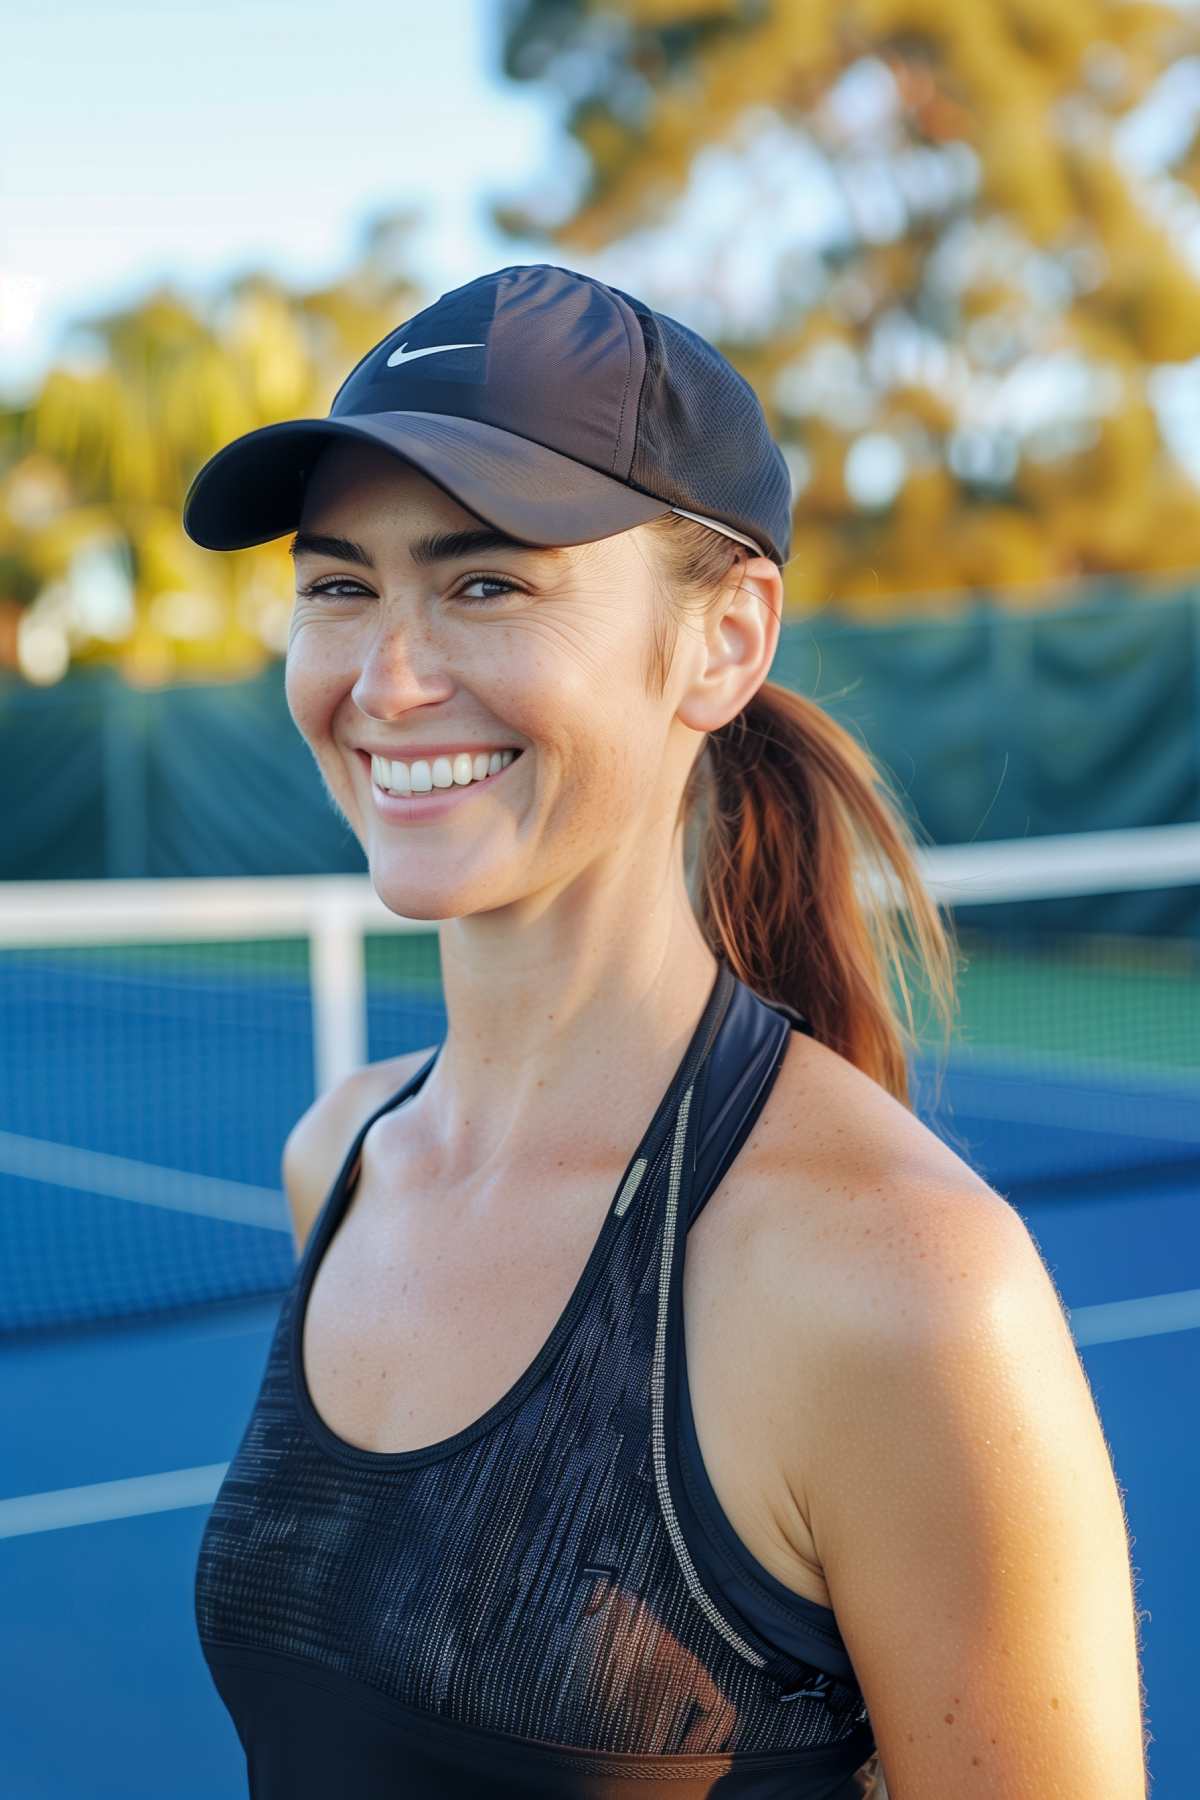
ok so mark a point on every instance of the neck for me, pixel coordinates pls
(564, 1029)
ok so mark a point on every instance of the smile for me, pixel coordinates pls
(438, 797)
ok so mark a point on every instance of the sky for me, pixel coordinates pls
(187, 141)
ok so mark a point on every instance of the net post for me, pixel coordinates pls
(339, 995)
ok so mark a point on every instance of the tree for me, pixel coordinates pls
(94, 471)
(955, 248)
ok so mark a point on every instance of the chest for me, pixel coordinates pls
(427, 1308)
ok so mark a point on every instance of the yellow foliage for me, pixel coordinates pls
(883, 19)
(924, 504)
(147, 657)
(167, 559)
(1172, 540)
(825, 495)
(109, 452)
(1149, 34)
(266, 344)
(798, 38)
(1166, 321)
(1057, 36)
(999, 547)
(810, 576)
(906, 404)
(606, 142)
(1021, 176)
(861, 593)
(1036, 92)
(674, 12)
(1124, 455)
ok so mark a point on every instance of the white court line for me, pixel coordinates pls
(120, 1177)
(110, 1500)
(1117, 1320)
(1112, 1322)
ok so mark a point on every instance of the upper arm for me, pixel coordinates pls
(971, 1530)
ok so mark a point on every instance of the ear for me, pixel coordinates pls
(741, 633)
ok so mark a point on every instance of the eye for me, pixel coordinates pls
(492, 581)
(332, 584)
(316, 588)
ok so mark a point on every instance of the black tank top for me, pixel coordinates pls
(550, 1602)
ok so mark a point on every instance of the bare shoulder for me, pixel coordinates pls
(860, 1226)
(955, 1471)
(908, 1239)
(320, 1138)
(881, 1200)
(876, 1238)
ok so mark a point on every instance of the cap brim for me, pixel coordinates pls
(253, 489)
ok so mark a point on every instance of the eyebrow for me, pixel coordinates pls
(437, 546)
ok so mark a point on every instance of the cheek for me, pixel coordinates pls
(603, 731)
(312, 687)
(606, 770)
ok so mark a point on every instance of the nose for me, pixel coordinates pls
(401, 669)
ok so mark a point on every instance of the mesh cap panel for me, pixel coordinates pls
(698, 414)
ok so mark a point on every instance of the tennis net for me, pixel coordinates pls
(158, 1040)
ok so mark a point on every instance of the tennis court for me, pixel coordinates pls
(158, 1044)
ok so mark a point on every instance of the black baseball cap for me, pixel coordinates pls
(554, 407)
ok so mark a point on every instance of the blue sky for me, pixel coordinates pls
(185, 140)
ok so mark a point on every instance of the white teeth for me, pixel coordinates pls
(421, 777)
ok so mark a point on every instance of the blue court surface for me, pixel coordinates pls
(144, 1245)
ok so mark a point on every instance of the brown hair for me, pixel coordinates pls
(788, 815)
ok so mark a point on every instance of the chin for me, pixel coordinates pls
(401, 897)
(410, 906)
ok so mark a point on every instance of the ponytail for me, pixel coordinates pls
(796, 843)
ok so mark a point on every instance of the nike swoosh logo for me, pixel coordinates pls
(402, 355)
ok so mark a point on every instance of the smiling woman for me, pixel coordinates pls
(657, 1402)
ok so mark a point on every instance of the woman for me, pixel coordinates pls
(528, 1505)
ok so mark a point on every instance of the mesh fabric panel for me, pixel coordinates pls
(707, 403)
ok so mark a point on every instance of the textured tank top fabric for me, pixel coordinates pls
(551, 1601)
